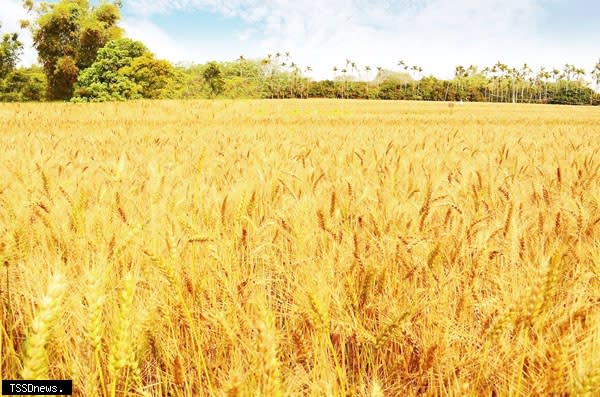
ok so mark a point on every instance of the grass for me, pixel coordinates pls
(310, 247)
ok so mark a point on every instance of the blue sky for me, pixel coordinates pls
(434, 34)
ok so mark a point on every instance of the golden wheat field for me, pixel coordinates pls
(301, 248)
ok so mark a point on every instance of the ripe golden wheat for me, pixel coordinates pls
(262, 248)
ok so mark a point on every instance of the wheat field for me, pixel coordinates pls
(312, 248)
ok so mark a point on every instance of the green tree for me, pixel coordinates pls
(124, 69)
(596, 76)
(10, 50)
(67, 36)
(23, 84)
(213, 76)
(154, 76)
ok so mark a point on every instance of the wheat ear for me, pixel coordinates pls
(35, 365)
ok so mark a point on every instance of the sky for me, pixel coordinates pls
(434, 34)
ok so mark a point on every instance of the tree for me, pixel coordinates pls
(418, 70)
(344, 80)
(596, 77)
(23, 84)
(67, 36)
(460, 73)
(10, 51)
(596, 74)
(212, 75)
(241, 61)
(367, 72)
(124, 69)
(154, 76)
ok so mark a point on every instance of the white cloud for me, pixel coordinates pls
(246, 34)
(436, 34)
(155, 38)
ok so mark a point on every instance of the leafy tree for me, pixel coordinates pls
(189, 82)
(10, 50)
(154, 76)
(213, 76)
(24, 84)
(322, 89)
(103, 80)
(67, 35)
(124, 69)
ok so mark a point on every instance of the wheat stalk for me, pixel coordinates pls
(122, 354)
(35, 364)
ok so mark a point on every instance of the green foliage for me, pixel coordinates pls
(392, 77)
(213, 76)
(268, 79)
(67, 35)
(63, 77)
(81, 57)
(17, 85)
(124, 69)
(240, 79)
(154, 76)
(322, 89)
(25, 84)
(10, 50)
(577, 96)
(189, 82)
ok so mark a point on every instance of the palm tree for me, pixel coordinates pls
(287, 56)
(525, 74)
(555, 74)
(335, 70)
(379, 75)
(568, 72)
(540, 79)
(514, 75)
(484, 73)
(294, 69)
(344, 71)
(459, 73)
(307, 70)
(404, 66)
(494, 72)
(367, 71)
(241, 60)
(268, 72)
(596, 73)
(556, 78)
(275, 67)
(596, 76)
(579, 73)
(355, 69)
(472, 70)
(493, 97)
(417, 70)
(503, 71)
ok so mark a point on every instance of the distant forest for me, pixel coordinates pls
(85, 58)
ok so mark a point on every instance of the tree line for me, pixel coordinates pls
(84, 57)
